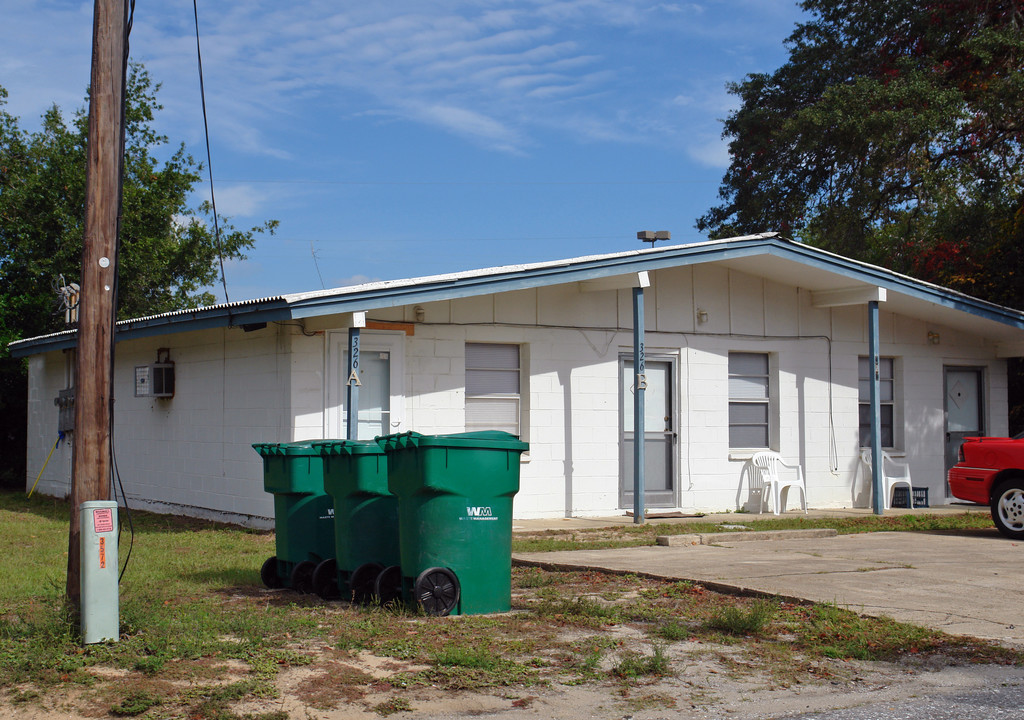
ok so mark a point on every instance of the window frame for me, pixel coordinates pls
(517, 396)
(864, 404)
(769, 402)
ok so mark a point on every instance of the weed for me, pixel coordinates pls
(651, 701)
(533, 578)
(391, 706)
(673, 631)
(135, 703)
(581, 608)
(480, 658)
(735, 620)
(635, 665)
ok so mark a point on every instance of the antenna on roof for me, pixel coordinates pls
(652, 236)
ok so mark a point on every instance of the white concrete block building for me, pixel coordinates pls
(751, 343)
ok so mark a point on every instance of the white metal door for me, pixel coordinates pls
(659, 435)
(380, 393)
(964, 409)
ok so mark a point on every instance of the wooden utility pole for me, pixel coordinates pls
(90, 466)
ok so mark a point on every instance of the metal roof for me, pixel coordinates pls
(765, 255)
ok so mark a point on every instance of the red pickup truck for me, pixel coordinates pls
(990, 471)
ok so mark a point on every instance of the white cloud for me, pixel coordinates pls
(494, 72)
(241, 200)
(710, 151)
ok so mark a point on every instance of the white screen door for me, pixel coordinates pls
(659, 435)
(380, 395)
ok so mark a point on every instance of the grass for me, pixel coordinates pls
(738, 620)
(641, 535)
(636, 665)
(201, 638)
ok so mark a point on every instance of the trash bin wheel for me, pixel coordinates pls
(302, 576)
(362, 581)
(268, 573)
(437, 591)
(325, 580)
(388, 586)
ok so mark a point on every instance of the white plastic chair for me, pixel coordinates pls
(769, 464)
(894, 473)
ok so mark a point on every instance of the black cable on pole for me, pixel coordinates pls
(115, 476)
(209, 159)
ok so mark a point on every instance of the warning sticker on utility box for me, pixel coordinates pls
(103, 520)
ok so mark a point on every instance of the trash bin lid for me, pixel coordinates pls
(483, 439)
(348, 447)
(304, 447)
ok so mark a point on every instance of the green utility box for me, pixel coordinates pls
(303, 513)
(455, 519)
(365, 519)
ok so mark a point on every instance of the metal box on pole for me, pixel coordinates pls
(99, 592)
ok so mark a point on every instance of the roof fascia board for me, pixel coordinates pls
(203, 319)
(451, 287)
(839, 297)
(455, 288)
(889, 280)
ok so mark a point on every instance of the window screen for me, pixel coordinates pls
(492, 387)
(749, 398)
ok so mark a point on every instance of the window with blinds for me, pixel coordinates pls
(886, 400)
(492, 387)
(749, 400)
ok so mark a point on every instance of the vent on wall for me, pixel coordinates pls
(156, 380)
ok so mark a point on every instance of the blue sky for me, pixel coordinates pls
(410, 138)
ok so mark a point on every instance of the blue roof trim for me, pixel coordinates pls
(215, 316)
(460, 285)
(863, 272)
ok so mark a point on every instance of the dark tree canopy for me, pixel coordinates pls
(168, 253)
(893, 134)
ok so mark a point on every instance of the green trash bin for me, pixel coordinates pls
(365, 519)
(455, 497)
(303, 513)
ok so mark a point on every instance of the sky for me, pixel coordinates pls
(417, 137)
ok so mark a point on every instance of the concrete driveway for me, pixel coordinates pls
(966, 584)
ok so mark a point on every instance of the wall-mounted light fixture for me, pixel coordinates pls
(419, 313)
(702, 315)
(933, 338)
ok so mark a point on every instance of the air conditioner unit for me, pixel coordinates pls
(156, 380)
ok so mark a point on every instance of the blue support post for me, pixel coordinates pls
(352, 384)
(877, 484)
(639, 388)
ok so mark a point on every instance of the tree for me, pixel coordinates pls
(894, 133)
(167, 256)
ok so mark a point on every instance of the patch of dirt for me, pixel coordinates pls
(707, 683)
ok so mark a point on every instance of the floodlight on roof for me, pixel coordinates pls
(653, 236)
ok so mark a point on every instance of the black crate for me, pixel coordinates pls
(899, 497)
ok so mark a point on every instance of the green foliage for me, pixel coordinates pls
(391, 706)
(167, 256)
(134, 704)
(893, 135)
(737, 620)
(636, 665)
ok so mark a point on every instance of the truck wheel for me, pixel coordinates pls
(1008, 508)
